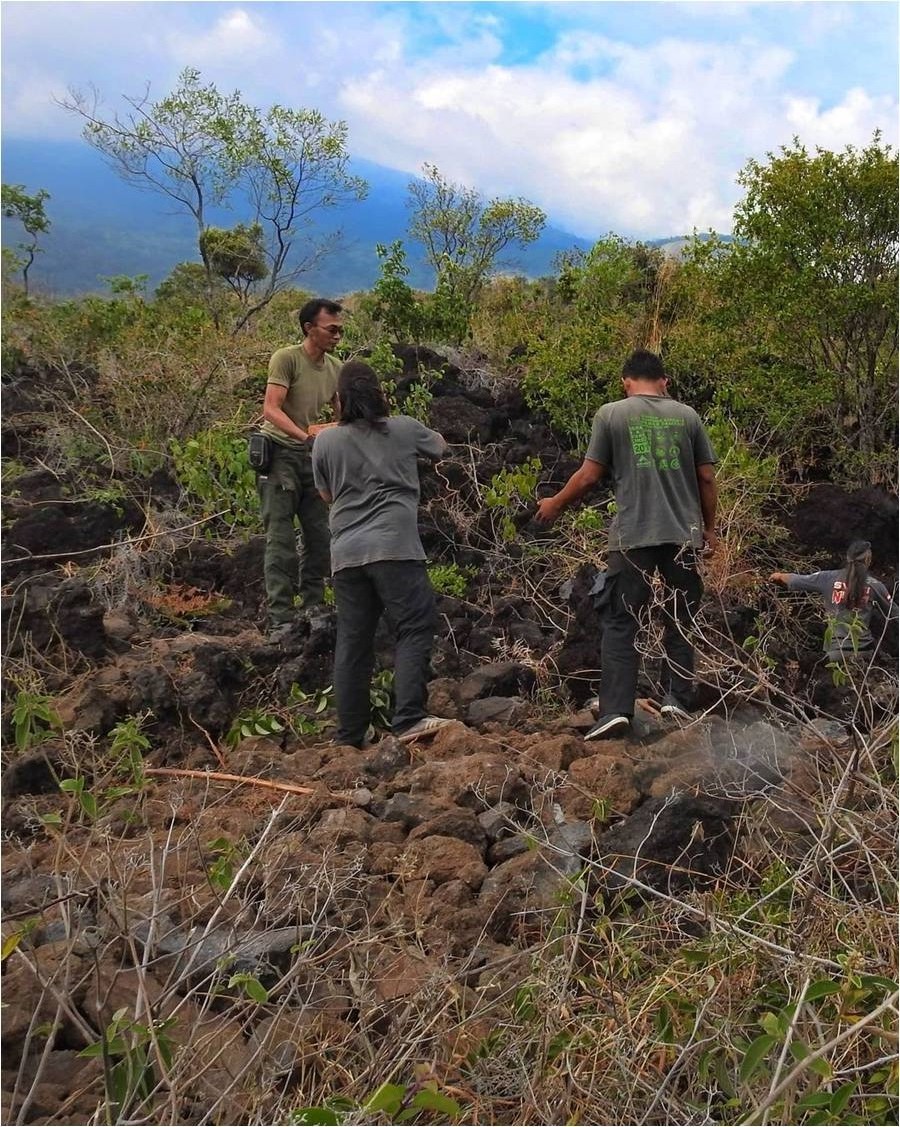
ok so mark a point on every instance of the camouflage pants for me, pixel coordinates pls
(287, 492)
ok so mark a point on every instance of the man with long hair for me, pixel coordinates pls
(302, 380)
(366, 469)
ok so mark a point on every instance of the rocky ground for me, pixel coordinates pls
(394, 875)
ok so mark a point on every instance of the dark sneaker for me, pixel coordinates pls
(366, 744)
(608, 726)
(427, 726)
(673, 709)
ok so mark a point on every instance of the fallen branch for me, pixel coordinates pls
(222, 777)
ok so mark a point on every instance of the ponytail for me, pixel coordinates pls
(362, 398)
(858, 556)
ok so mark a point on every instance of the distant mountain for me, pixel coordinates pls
(674, 245)
(102, 227)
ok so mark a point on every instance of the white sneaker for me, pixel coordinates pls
(671, 708)
(427, 726)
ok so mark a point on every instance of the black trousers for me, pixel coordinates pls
(401, 590)
(627, 593)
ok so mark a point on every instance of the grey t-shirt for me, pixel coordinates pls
(832, 586)
(652, 445)
(373, 480)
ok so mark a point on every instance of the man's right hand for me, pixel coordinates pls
(548, 509)
(317, 428)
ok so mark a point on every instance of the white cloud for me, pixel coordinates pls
(237, 36)
(604, 134)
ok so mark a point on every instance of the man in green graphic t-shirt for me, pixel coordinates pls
(661, 463)
(302, 380)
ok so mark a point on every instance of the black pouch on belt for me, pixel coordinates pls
(259, 448)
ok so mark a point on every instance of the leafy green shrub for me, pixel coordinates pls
(392, 302)
(511, 490)
(254, 722)
(214, 468)
(34, 719)
(388, 367)
(418, 400)
(450, 579)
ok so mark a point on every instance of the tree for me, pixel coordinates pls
(203, 149)
(607, 302)
(819, 263)
(237, 255)
(29, 211)
(463, 236)
(392, 301)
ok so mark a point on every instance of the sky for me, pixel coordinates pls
(629, 117)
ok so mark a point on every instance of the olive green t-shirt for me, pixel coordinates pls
(310, 386)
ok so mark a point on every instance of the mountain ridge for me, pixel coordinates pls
(102, 227)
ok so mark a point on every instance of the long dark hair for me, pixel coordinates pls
(361, 395)
(857, 572)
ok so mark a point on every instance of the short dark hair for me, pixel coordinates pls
(644, 365)
(309, 312)
(361, 395)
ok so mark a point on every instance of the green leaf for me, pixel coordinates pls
(256, 991)
(821, 989)
(10, 943)
(841, 1098)
(773, 1024)
(118, 792)
(754, 1055)
(431, 1100)
(814, 1100)
(251, 985)
(387, 1098)
(71, 786)
(316, 1115)
(821, 1068)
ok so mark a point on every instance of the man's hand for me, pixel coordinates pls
(317, 428)
(548, 509)
(779, 577)
(710, 541)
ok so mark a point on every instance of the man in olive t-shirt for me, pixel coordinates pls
(661, 462)
(302, 380)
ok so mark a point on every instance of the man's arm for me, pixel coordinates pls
(317, 428)
(582, 480)
(273, 412)
(709, 499)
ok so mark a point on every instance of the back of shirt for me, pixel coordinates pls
(373, 479)
(832, 586)
(652, 445)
